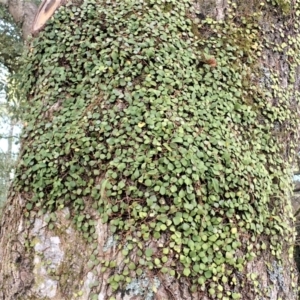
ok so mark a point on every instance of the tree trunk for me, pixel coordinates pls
(23, 13)
(157, 156)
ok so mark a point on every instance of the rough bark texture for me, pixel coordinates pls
(39, 263)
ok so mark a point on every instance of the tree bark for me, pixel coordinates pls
(23, 13)
(41, 264)
(42, 253)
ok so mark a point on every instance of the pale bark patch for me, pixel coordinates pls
(220, 9)
(47, 257)
(88, 282)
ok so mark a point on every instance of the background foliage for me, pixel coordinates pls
(10, 115)
(11, 47)
(11, 44)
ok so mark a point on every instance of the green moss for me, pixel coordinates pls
(195, 30)
(168, 7)
(284, 5)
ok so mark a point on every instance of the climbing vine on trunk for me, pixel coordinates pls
(177, 129)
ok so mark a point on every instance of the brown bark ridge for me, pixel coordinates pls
(38, 262)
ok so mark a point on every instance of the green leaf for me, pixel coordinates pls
(186, 271)
(162, 190)
(148, 182)
(29, 206)
(236, 296)
(149, 252)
